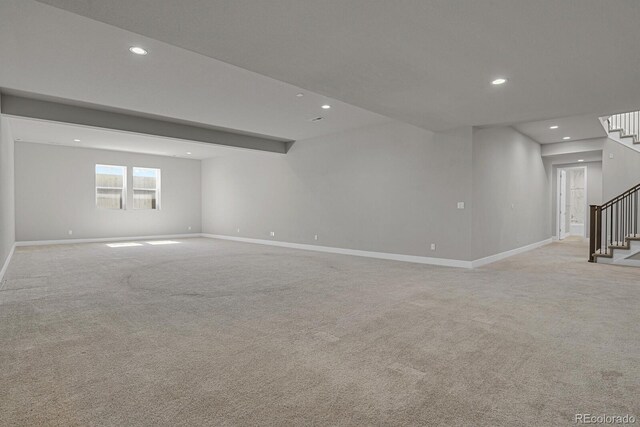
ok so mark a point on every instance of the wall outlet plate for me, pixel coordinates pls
(460, 205)
(273, 234)
(433, 246)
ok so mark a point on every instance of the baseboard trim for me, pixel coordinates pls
(104, 239)
(497, 257)
(444, 262)
(6, 262)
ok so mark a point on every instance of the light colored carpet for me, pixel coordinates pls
(210, 332)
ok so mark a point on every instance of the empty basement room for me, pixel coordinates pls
(328, 213)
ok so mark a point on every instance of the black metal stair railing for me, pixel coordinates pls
(612, 224)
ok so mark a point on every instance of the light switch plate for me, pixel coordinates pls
(460, 205)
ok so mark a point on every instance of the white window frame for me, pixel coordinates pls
(123, 189)
(158, 189)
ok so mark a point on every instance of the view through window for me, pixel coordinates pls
(146, 188)
(111, 184)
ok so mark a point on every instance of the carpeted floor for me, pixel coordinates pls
(210, 332)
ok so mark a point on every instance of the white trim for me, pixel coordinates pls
(559, 231)
(586, 202)
(6, 262)
(355, 252)
(104, 239)
(445, 262)
(497, 257)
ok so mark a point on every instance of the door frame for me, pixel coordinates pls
(586, 202)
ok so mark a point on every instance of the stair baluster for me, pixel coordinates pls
(614, 224)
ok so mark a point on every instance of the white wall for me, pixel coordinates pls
(620, 173)
(55, 192)
(510, 192)
(387, 188)
(7, 200)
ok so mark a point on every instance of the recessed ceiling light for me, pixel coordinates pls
(300, 95)
(138, 50)
(553, 127)
(566, 137)
(581, 160)
(499, 81)
(326, 106)
(76, 140)
(188, 152)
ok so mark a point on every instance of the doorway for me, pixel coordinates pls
(572, 202)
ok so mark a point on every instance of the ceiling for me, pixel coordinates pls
(575, 158)
(429, 63)
(46, 132)
(576, 127)
(54, 53)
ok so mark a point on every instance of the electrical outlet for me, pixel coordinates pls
(460, 205)
(433, 246)
(70, 232)
(273, 234)
(315, 237)
(238, 230)
(611, 155)
(189, 227)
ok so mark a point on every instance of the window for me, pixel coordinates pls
(111, 187)
(146, 188)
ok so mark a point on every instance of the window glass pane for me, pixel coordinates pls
(145, 178)
(146, 188)
(110, 186)
(109, 176)
(109, 198)
(144, 199)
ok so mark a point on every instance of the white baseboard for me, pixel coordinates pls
(445, 262)
(104, 239)
(6, 262)
(497, 257)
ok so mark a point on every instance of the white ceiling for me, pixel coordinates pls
(51, 52)
(574, 158)
(423, 62)
(576, 127)
(45, 132)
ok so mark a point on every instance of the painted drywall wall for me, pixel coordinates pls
(621, 172)
(55, 192)
(510, 192)
(389, 188)
(594, 189)
(7, 199)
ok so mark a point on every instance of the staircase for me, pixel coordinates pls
(627, 126)
(614, 237)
